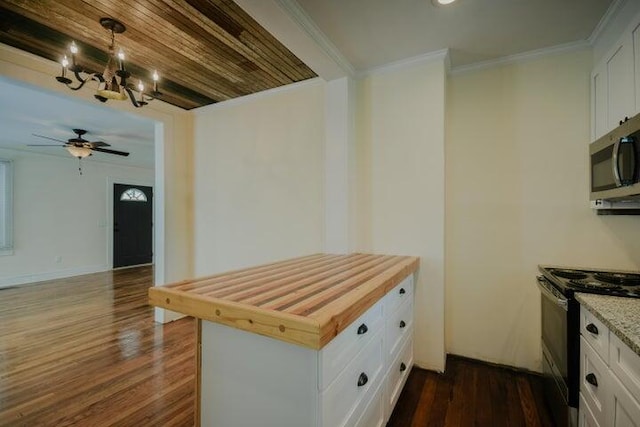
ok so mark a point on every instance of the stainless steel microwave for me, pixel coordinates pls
(615, 163)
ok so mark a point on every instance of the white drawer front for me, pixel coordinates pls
(336, 355)
(399, 325)
(373, 413)
(593, 371)
(595, 332)
(342, 396)
(626, 365)
(402, 292)
(398, 372)
(585, 416)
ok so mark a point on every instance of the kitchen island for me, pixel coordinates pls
(322, 340)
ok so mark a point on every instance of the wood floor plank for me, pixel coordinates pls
(85, 351)
(471, 393)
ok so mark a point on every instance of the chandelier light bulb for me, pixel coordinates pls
(156, 77)
(121, 55)
(73, 48)
(65, 62)
(140, 86)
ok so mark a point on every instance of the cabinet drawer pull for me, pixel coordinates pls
(403, 367)
(362, 379)
(591, 379)
(402, 291)
(592, 328)
(402, 324)
(362, 329)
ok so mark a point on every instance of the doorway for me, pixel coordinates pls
(132, 225)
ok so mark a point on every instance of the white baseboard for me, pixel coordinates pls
(6, 282)
(162, 315)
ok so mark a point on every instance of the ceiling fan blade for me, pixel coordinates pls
(99, 144)
(46, 137)
(44, 145)
(105, 150)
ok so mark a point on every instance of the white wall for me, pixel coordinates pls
(259, 173)
(517, 196)
(59, 213)
(401, 185)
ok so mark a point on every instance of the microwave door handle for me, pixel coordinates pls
(614, 163)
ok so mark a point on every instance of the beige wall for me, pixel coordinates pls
(177, 166)
(58, 213)
(517, 196)
(400, 157)
(259, 173)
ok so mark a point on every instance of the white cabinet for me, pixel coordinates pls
(609, 377)
(355, 380)
(615, 90)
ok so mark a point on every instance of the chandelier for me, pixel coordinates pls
(113, 81)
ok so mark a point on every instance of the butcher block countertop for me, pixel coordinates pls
(305, 301)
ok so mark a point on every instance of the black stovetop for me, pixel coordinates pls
(618, 283)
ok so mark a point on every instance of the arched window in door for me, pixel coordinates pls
(133, 195)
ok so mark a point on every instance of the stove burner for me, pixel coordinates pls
(568, 274)
(593, 285)
(626, 279)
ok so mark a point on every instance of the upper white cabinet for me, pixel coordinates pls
(612, 87)
(615, 83)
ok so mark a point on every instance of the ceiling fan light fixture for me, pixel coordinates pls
(79, 152)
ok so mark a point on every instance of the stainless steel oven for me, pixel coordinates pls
(560, 373)
(561, 329)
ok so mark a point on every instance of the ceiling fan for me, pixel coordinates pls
(80, 147)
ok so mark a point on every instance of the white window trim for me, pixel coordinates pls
(7, 249)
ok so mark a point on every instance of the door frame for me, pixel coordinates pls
(109, 226)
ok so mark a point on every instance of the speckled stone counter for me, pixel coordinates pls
(621, 315)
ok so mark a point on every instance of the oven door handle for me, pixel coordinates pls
(544, 285)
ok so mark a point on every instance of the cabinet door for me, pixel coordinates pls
(600, 117)
(623, 409)
(620, 82)
(585, 417)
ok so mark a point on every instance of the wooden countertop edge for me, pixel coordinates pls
(294, 329)
(313, 331)
(342, 312)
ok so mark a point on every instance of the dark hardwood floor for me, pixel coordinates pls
(471, 394)
(85, 351)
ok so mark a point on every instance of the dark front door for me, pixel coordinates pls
(132, 225)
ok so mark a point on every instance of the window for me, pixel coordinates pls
(133, 195)
(6, 208)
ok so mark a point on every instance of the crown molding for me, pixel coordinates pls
(614, 7)
(302, 18)
(253, 96)
(523, 57)
(439, 55)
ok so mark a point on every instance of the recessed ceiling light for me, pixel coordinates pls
(442, 2)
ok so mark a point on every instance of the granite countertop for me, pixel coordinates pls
(620, 314)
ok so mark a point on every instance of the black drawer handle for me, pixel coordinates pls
(402, 291)
(592, 328)
(362, 379)
(402, 324)
(362, 329)
(591, 379)
(403, 367)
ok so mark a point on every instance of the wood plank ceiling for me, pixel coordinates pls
(205, 51)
